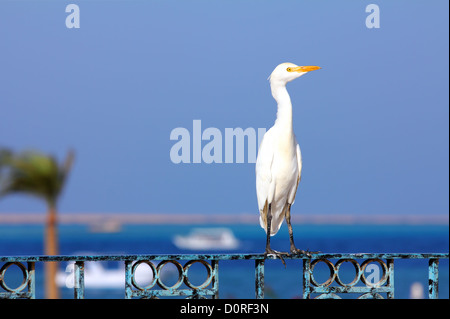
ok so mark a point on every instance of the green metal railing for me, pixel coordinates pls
(331, 288)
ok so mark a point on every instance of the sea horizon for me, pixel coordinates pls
(95, 218)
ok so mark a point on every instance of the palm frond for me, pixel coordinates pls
(36, 174)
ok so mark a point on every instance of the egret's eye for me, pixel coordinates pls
(289, 69)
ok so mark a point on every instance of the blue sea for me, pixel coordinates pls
(236, 278)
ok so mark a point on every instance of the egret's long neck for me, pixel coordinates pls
(284, 113)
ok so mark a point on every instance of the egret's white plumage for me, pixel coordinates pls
(279, 162)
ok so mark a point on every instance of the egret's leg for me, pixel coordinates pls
(268, 226)
(295, 250)
(268, 249)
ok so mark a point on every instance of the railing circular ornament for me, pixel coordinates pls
(24, 274)
(328, 296)
(382, 280)
(208, 278)
(180, 274)
(133, 275)
(332, 273)
(370, 295)
(357, 274)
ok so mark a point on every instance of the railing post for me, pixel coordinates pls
(215, 278)
(306, 278)
(31, 280)
(79, 280)
(390, 278)
(128, 284)
(259, 278)
(433, 278)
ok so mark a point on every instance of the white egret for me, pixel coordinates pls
(279, 162)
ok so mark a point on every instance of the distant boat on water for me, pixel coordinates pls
(207, 239)
(98, 276)
(95, 276)
(110, 226)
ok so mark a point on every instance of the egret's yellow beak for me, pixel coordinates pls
(308, 68)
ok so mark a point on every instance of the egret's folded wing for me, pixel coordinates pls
(293, 192)
(264, 170)
(299, 159)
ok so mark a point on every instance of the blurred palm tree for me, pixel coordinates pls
(4, 157)
(39, 175)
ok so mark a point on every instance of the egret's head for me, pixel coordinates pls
(286, 72)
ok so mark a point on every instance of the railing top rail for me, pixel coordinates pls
(245, 256)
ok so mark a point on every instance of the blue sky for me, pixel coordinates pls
(372, 124)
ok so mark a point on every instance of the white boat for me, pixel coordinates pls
(109, 226)
(97, 276)
(207, 239)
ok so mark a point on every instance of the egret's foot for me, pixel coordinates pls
(270, 251)
(296, 251)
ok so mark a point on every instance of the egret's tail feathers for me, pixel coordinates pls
(263, 216)
(277, 220)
